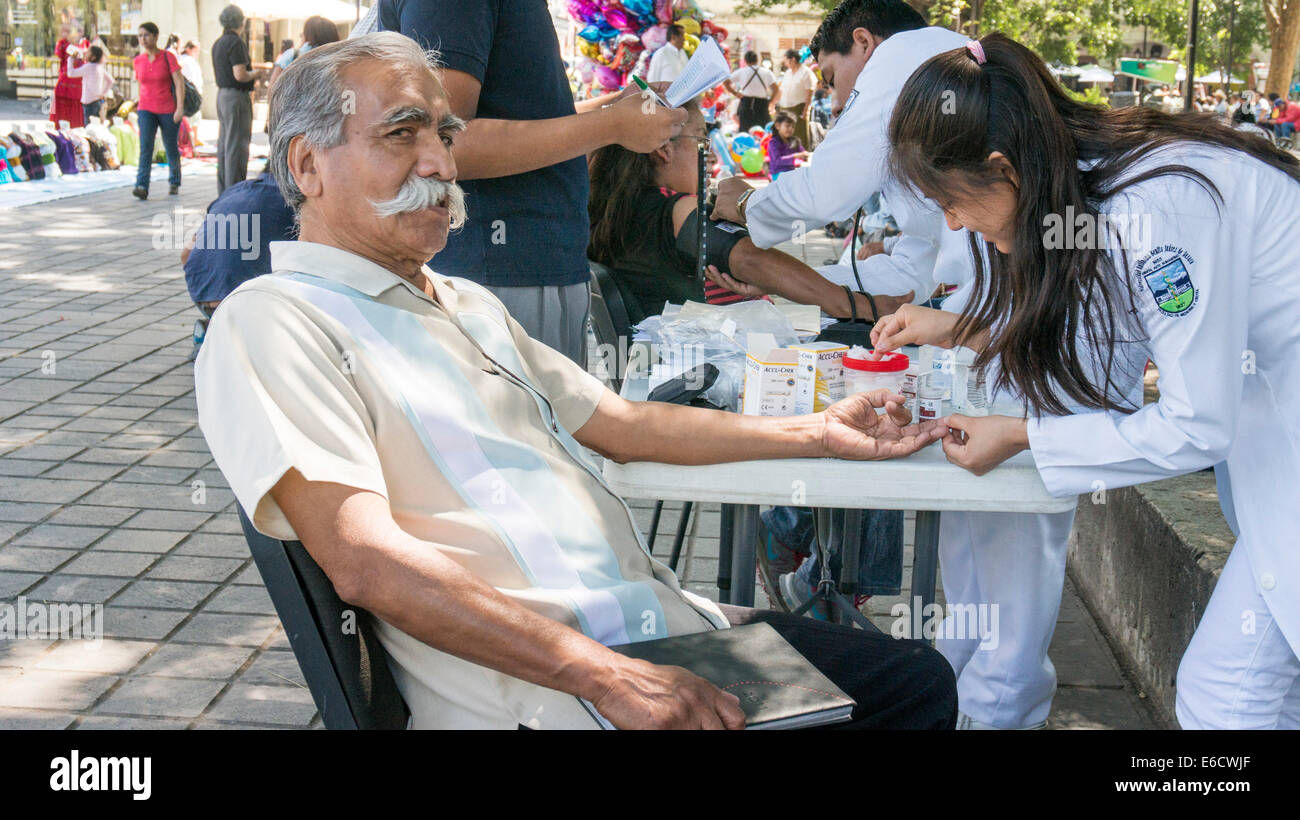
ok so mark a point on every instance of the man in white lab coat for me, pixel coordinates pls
(867, 49)
(670, 59)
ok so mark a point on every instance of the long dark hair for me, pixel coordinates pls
(618, 177)
(1040, 303)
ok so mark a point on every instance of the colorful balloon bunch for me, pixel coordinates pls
(618, 36)
(749, 150)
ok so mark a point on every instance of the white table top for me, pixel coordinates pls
(922, 481)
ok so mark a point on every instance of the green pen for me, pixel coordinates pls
(645, 87)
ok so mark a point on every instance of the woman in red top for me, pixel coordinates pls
(67, 90)
(162, 97)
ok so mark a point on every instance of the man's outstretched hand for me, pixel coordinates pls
(854, 430)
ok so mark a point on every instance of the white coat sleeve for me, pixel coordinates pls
(909, 266)
(1191, 295)
(847, 168)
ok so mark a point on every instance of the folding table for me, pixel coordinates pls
(924, 481)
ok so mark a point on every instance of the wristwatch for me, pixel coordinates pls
(740, 202)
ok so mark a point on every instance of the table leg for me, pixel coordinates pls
(925, 563)
(850, 551)
(743, 558)
(726, 535)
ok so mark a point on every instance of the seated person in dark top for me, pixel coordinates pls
(643, 213)
(232, 245)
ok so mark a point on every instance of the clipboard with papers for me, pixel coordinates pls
(706, 69)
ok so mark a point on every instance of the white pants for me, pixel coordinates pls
(1239, 672)
(1015, 561)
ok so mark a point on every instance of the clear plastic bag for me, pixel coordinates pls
(694, 334)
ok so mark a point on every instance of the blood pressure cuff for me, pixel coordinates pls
(720, 238)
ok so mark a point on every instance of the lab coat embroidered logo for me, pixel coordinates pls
(1167, 275)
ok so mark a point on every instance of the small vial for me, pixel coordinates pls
(929, 400)
(910, 382)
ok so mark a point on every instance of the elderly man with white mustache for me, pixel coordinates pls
(429, 454)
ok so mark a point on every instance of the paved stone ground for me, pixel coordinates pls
(108, 495)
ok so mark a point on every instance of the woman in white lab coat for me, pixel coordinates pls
(1108, 229)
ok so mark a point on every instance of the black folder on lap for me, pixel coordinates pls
(778, 687)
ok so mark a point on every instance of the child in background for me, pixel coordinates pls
(784, 151)
(95, 80)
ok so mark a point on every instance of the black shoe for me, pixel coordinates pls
(173, 190)
(140, 193)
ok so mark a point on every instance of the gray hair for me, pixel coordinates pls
(309, 99)
(231, 16)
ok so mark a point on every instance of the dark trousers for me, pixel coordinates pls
(235, 130)
(898, 684)
(92, 109)
(150, 123)
(752, 112)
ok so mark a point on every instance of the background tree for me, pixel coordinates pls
(1059, 30)
(1283, 20)
(1236, 23)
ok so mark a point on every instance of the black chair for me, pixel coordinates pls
(341, 658)
(612, 324)
(610, 320)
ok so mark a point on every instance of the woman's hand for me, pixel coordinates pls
(178, 116)
(981, 443)
(726, 280)
(854, 430)
(914, 325)
(887, 305)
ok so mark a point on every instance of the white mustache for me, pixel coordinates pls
(418, 193)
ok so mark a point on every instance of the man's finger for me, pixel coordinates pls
(936, 427)
(880, 397)
(708, 717)
(733, 717)
(898, 413)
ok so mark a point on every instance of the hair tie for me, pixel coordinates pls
(976, 49)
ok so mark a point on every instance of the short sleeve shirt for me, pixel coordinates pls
(525, 229)
(753, 81)
(796, 87)
(227, 52)
(157, 94)
(336, 367)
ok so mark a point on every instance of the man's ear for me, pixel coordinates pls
(863, 37)
(998, 162)
(304, 168)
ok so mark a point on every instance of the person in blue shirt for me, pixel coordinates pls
(522, 161)
(232, 245)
